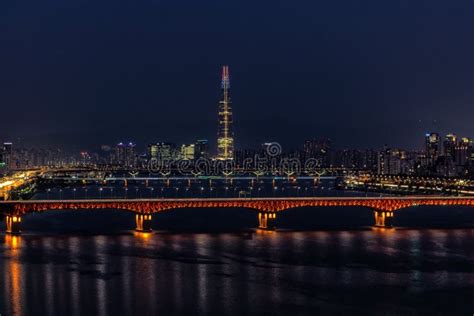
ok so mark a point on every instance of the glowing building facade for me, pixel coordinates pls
(449, 145)
(225, 135)
(125, 154)
(432, 150)
(163, 151)
(187, 152)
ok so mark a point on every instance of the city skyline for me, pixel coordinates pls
(409, 65)
(225, 134)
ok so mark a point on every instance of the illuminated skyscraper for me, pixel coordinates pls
(449, 145)
(163, 151)
(125, 154)
(187, 152)
(463, 152)
(225, 135)
(432, 151)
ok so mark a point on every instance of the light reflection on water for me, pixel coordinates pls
(13, 276)
(393, 270)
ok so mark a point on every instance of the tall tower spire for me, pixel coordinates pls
(225, 135)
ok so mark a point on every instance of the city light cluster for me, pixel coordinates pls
(448, 157)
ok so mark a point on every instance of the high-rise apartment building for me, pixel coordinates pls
(432, 150)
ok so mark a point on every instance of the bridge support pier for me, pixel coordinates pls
(266, 220)
(383, 219)
(143, 222)
(13, 224)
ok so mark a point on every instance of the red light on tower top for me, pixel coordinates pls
(225, 77)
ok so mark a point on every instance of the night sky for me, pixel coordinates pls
(81, 73)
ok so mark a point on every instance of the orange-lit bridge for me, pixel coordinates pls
(267, 208)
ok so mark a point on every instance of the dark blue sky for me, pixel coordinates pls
(364, 73)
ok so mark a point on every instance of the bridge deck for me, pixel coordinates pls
(254, 199)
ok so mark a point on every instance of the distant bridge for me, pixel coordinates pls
(267, 208)
(157, 178)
